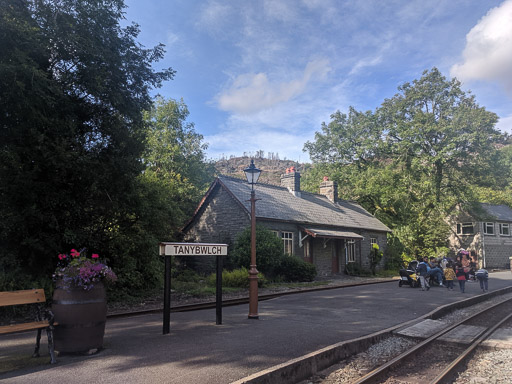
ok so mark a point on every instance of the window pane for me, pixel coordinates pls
(489, 228)
(467, 228)
(351, 251)
(287, 242)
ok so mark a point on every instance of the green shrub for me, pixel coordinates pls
(189, 276)
(238, 278)
(292, 268)
(269, 250)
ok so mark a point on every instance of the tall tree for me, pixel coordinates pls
(414, 158)
(73, 87)
(174, 160)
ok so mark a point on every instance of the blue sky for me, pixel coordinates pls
(264, 74)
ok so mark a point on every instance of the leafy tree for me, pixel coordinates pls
(73, 86)
(413, 159)
(174, 159)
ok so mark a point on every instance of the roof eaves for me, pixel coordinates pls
(201, 204)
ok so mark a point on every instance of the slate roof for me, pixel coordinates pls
(496, 212)
(277, 203)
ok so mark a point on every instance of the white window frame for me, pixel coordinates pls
(287, 238)
(487, 226)
(502, 226)
(462, 228)
(373, 240)
(351, 251)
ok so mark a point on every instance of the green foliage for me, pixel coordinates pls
(409, 162)
(237, 278)
(269, 250)
(375, 257)
(188, 275)
(87, 158)
(270, 258)
(292, 268)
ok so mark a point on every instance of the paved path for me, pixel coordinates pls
(198, 351)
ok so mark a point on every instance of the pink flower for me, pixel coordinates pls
(62, 256)
(75, 253)
(95, 255)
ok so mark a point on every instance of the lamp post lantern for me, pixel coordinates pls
(252, 173)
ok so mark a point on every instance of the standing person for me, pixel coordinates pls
(483, 277)
(422, 272)
(449, 275)
(465, 263)
(461, 276)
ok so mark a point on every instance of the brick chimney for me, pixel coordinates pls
(329, 189)
(291, 180)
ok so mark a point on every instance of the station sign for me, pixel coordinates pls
(193, 249)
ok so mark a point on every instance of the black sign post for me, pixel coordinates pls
(191, 249)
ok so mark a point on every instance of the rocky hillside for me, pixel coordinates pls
(272, 167)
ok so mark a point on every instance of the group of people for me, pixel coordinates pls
(445, 271)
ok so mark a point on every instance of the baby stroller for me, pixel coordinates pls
(408, 275)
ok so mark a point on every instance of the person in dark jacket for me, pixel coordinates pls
(461, 276)
(483, 277)
(422, 271)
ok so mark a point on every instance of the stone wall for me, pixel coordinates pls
(497, 250)
(221, 220)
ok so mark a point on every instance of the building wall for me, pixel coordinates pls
(498, 249)
(220, 222)
(222, 219)
(323, 251)
(495, 249)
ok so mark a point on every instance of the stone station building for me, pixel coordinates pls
(319, 228)
(485, 231)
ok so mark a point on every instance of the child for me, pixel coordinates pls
(483, 276)
(461, 276)
(449, 275)
(422, 271)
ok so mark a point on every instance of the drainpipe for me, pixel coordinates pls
(483, 243)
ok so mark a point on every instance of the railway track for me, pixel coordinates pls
(416, 364)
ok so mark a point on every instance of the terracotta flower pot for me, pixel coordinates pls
(81, 316)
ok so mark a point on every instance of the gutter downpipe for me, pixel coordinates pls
(483, 243)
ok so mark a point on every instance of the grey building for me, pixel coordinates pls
(318, 228)
(484, 231)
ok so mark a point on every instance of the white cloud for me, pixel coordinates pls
(488, 51)
(505, 124)
(213, 17)
(251, 93)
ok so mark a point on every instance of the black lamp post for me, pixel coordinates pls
(252, 173)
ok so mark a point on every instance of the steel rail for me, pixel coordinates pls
(452, 367)
(374, 374)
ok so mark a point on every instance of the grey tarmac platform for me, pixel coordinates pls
(199, 352)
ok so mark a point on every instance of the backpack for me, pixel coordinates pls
(481, 273)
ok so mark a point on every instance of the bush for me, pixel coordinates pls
(269, 250)
(188, 275)
(238, 278)
(292, 268)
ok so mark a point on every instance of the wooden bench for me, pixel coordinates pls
(43, 317)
